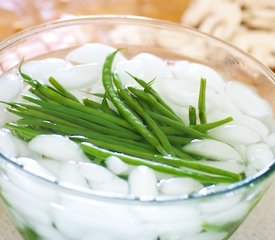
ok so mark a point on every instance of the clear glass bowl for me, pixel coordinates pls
(48, 210)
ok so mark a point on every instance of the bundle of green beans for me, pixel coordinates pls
(143, 130)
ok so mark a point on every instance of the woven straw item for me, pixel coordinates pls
(247, 24)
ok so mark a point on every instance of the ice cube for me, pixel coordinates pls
(10, 87)
(70, 173)
(7, 143)
(179, 185)
(41, 69)
(95, 173)
(57, 147)
(233, 133)
(213, 149)
(247, 100)
(259, 155)
(154, 67)
(115, 185)
(92, 53)
(79, 76)
(115, 165)
(143, 182)
(134, 67)
(195, 71)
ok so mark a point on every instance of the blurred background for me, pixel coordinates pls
(248, 24)
(19, 14)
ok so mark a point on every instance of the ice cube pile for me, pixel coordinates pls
(245, 145)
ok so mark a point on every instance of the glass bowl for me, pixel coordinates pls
(46, 209)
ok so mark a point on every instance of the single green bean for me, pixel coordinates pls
(91, 103)
(100, 95)
(192, 115)
(207, 126)
(178, 162)
(201, 103)
(195, 165)
(126, 143)
(106, 108)
(127, 149)
(201, 127)
(26, 77)
(180, 154)
(38, 94)
(180, 140)
(172, 131)
(205, 178)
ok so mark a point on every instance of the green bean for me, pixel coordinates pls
(130, 149)
(192, 115)
(26, 77)
(201, 103)
(31, 133)
(127, 148)
(180, 140)
(170, 130)
(179, 162)
(125, 142)
(106, 108)
(207, 126)
(100, 95)
(122, 108)
(180, 154)
(38, 94)
(90, 103)
(62, 90)
(200, 127)
(93, 104)
(205, 178)
(173, 131)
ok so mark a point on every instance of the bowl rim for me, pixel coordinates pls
(88, 193)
